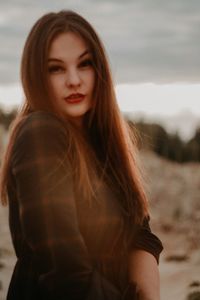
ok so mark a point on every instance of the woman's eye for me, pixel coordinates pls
(86, 63)
(55, 69)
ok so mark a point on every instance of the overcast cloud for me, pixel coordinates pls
(147, 40)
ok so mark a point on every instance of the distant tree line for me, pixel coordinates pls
(7, 117)
(151, 136)
(171, 146)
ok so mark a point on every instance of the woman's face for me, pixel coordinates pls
(71, 75)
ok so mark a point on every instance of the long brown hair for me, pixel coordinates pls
(112, 143)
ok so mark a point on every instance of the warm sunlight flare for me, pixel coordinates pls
(159, 99)
(175, 106)
(148, 98)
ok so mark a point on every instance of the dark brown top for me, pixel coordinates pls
(65, 248)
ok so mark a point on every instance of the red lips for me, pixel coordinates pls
(75, 98)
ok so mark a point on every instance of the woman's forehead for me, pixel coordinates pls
(68, 44)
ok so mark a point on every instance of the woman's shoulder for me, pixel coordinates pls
(40, 127)
(39, 118)
(40, 134)
(40, 121)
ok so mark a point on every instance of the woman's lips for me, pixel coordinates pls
(75, 98)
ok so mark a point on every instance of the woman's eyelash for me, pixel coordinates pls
(85, 63)
(54, 68)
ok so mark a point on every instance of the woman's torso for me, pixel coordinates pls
(102, 225)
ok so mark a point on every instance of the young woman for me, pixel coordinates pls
(78, 212)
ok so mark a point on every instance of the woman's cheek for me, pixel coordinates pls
(91, 78)
(59, 81)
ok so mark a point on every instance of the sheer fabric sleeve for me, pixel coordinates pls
(145, 239)
(48, 213)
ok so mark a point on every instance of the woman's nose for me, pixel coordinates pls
(73, 78)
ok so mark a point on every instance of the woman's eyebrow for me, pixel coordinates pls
(52, 59)
(84, 53)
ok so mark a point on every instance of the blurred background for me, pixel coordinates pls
(153, 48)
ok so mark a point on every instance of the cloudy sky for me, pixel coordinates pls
(149, 42)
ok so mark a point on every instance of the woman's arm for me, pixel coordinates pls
(143, 271)
(144, 251)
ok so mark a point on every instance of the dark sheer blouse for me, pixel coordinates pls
(65, 249)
